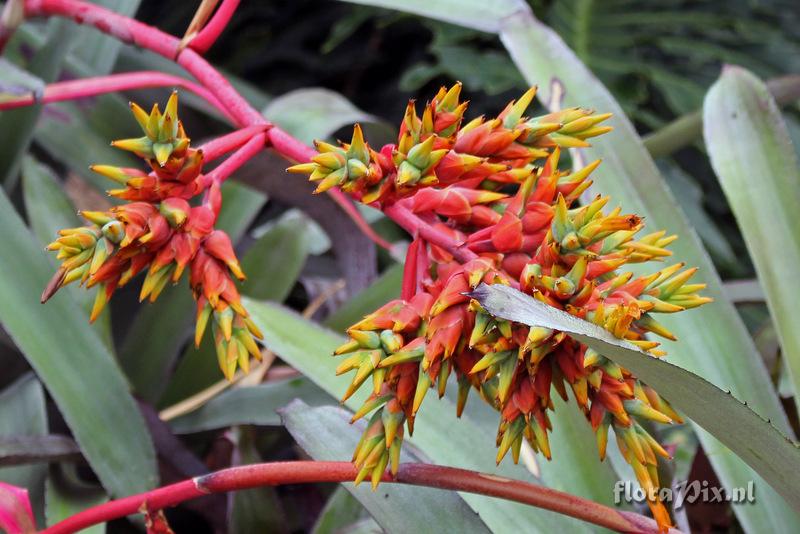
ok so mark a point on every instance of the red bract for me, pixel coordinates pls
(160, 232)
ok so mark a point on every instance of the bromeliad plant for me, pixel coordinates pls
(485, 202)
(497, 210)
(490, 206)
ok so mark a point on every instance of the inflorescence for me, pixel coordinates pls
(494, 187)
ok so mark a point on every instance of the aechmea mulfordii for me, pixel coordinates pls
(494, 185)
(161, 233)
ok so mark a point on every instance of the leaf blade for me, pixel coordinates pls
(744, 431)
(70, 359)
(747, 138)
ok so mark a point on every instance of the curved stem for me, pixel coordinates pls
(242, 155)
(223, 144)
(271, 474)
(417, 227)
(211, 32)
(86, 87)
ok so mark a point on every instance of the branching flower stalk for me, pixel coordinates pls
(499, 211)
(484, 200)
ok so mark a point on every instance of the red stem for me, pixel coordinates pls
(242, 155)
(271, 474)
(73, 89)
(239, 110)
(211, 32)
(417, 227)
(223, 144)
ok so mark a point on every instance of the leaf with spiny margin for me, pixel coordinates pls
(770, 453)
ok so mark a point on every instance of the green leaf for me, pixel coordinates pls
(313, 113)
(341, 510)
(160, 329)
(324, 433)
(254, 405)
(23, 412)
(49, 210)
(485, 15)
(79, 137)
(17, 125)
(16, 81)
(66, 495)
(78, 370)
(154, 339)
(382, 290)
(467, 442)
(753, 157)
(690, 196)
(274, 262)
(734, 424)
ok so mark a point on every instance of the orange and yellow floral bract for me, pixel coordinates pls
(495, 186)
(159, 232)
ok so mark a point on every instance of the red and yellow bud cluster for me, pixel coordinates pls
(494, 186)
(437, 150)
(159, 232)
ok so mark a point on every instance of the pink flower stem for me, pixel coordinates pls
(417, 227)
(211, 32)
(303, 472)
(226, 143)
(88, 87)
(243, 154)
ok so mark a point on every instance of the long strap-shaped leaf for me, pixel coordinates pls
(754, 439)
(752, 154)
(714, 341)
(77, 368)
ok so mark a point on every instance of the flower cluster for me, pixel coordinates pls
(160, 232)
(494, 187)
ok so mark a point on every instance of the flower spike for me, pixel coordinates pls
(159, 232)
